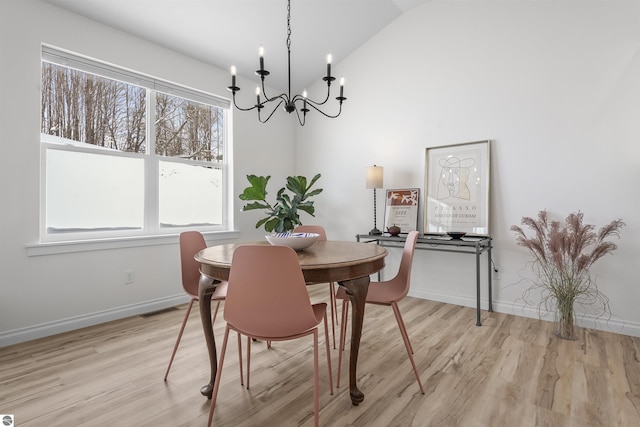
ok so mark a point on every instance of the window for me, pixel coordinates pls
(124, 154)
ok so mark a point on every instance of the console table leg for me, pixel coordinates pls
(489, 279)
(478, 322)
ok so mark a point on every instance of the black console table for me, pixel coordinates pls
(474, 245)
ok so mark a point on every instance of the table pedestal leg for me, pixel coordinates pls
(205, 290)
(357, 290)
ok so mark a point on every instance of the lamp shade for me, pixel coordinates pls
(374, 176)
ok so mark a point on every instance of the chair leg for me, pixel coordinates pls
(326, 341)
(403, 328)
(240, 358)
(216, 383)
(248, 360)
(215, 313)
(407, 343)
(175, 347)
(343, 332)
(316, 379)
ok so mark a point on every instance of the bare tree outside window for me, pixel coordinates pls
(187, 129)
(94, 110)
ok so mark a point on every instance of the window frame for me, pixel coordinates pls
(152, 232)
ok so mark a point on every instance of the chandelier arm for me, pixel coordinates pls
(323, 113)
(309, 100)
(272, 111)
(303, 119)
(268, 98)
(240, 108)
(283, 96)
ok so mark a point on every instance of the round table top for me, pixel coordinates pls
(324, 261)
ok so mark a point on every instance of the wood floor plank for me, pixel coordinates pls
(512, 371)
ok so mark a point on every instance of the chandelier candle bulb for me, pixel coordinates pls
(258, 94)
(329, 65)
(261, 53)
(233, 75)
(341, 87)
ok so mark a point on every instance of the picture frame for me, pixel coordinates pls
(401, 209)
(457, 188)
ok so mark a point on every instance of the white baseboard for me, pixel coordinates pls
(16, 336)
(613, 324)
(59, 326)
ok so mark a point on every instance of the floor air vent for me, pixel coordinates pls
(155, 313)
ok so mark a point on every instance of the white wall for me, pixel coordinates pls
(41, 295)
(554, 85)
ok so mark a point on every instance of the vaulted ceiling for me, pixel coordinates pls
(229, 32)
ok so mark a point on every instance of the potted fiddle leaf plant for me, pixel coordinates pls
(562, 256)
(283, 215)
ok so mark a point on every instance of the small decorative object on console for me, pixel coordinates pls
(456, 235)
(394, 230)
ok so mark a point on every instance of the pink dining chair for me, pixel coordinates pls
(388, 293)
(267, 300)
(191, 242)
(332, 290)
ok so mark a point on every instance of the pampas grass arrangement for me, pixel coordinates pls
(562, 255)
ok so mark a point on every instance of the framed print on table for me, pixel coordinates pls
(457, 188)
(401, 209)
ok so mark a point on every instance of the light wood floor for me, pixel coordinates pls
(509, 372)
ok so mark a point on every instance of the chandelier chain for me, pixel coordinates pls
(289, 25)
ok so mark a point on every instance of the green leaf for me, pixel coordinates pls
(313, 181)
(271, 224)
(262, 221)
(297, 184)
(255, 205)
(258, 188)
(284, 199)
(307, 208)
(314, 192)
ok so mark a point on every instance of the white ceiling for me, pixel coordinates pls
(229, 32)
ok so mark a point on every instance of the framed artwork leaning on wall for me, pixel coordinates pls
(401, 209)
(457, 188)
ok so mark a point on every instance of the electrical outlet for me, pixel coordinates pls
(129, 277)
(497, 273)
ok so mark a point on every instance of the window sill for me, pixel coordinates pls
(53, 248)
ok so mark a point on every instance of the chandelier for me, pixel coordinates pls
(291, 104)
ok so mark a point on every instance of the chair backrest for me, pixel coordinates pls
(312, 229)
(403, 277)
(191, 242)
(267, 296)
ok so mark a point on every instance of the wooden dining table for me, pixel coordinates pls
(348, 263)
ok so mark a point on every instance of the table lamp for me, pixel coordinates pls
(374, 180)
